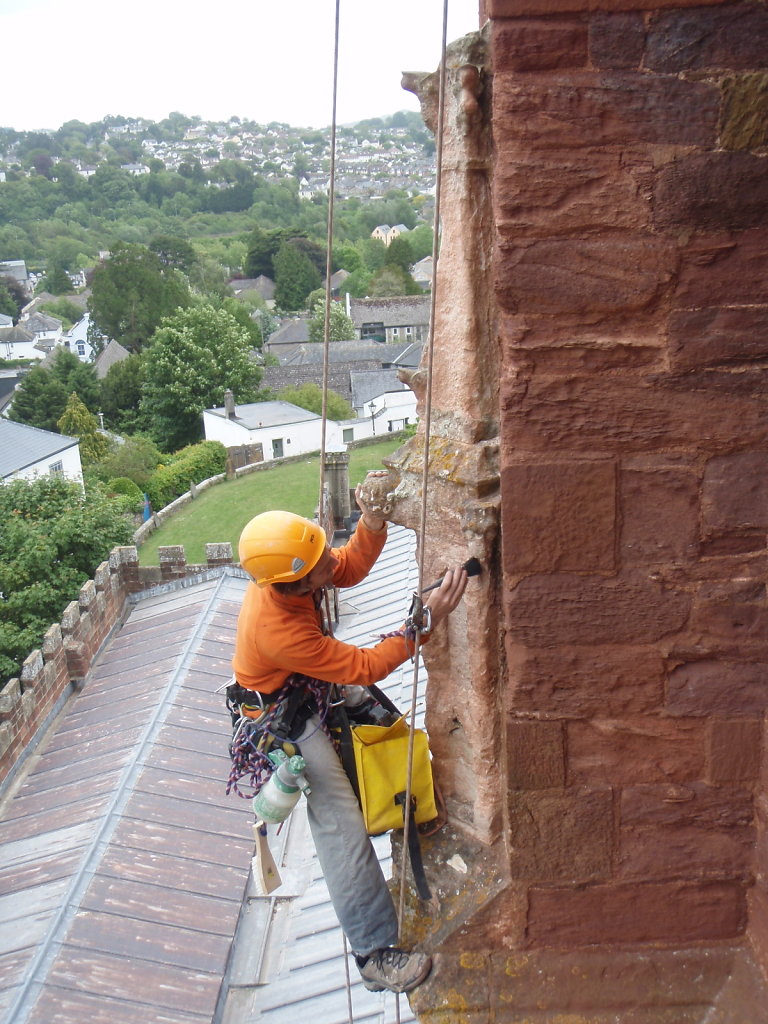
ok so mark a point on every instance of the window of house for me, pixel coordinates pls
(56, 469)
(348, 434)
(373, 331)
(80, 348)
(408, 332)
(395, 332)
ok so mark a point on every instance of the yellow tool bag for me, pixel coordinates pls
(381, 762)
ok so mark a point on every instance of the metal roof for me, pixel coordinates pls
(21, 446)
(124, 867)
(268, 414)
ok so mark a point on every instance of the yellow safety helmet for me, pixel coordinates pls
(280, 547)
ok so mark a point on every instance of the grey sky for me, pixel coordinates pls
(269, 60)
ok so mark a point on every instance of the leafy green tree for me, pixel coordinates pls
(391, 281)
(195, 355)
(295, 277)
(262, 249)
(399, 254)
(77, 422)
(174, 252)
(340, 326)
(57, 280)
(54, 535)
(121, 397)
(309, 396)
(12, 297)
(131, 293)
(136, 459)
(41, 397)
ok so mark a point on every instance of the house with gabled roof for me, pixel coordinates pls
(399, 320)
(19, 343)
(28, 452)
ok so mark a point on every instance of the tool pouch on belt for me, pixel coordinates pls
(375, 758)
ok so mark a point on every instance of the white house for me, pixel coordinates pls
(77, 341)
(28, 452)
(19, 343)
(282, 429)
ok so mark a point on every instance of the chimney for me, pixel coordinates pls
(229, 405)
(337, 476)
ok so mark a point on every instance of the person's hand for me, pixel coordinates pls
(373, 520)
(442, 601)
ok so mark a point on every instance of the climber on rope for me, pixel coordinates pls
(282, 651)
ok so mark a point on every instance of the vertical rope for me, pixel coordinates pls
(328, 265)
(427, 432)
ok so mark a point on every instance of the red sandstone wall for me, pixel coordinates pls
(631, 207)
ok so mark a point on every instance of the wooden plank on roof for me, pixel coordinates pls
(65, 1006)
(137, 981)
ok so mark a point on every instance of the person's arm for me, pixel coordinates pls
(359, 554)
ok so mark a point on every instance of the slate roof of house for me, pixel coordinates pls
(290, 332)
(256, 414)
(401, 311)
(124, 867)
(342, 352)
(113, 353)
(40, 323)
(17, 333)
(21, 446)
(368, 384)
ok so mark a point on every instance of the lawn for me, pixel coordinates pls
(220, 513)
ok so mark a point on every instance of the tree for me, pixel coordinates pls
(295, 277)
(391, 281)
(195, 355)
(340, 326)
(174, 252)
(41, 397)
(131, 292)
(57, 280)
(262, 248)
(399, 254)
(12, 297)
(310, 397)
(136, 459)
(54, 536)
(77, 422)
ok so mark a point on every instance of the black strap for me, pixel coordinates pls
(414, 849)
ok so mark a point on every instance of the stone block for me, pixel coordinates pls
(561, 836)
(596, 275)
(688, 852)
(745, 111)
(659, 516)
(528, 8)
(734, 749)
(696, 803)
(627, 752)
(521, 45)
(618, 107)
(734, 613)
(732, 36)
(586, 682)
(715, 336)
(535, 754)
(580, 981)
(562, 516)
(671, 912)
(585, 189)
(714, 687)
(723, 271)
(561, 608)
(712, 191)
(735, 491)
(620, 416)
(617, 41)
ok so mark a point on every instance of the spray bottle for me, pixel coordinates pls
(277, 798)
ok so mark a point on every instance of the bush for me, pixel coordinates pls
(122, 487)
(191, 465)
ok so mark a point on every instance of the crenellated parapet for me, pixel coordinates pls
(60, 666)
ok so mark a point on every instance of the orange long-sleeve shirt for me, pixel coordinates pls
(278, 634)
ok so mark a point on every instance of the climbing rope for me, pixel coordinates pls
(427, 419)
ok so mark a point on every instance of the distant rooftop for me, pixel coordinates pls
(22, 446)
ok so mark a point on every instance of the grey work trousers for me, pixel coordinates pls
(352, 872)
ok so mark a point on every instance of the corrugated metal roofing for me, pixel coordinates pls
(123, 864)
